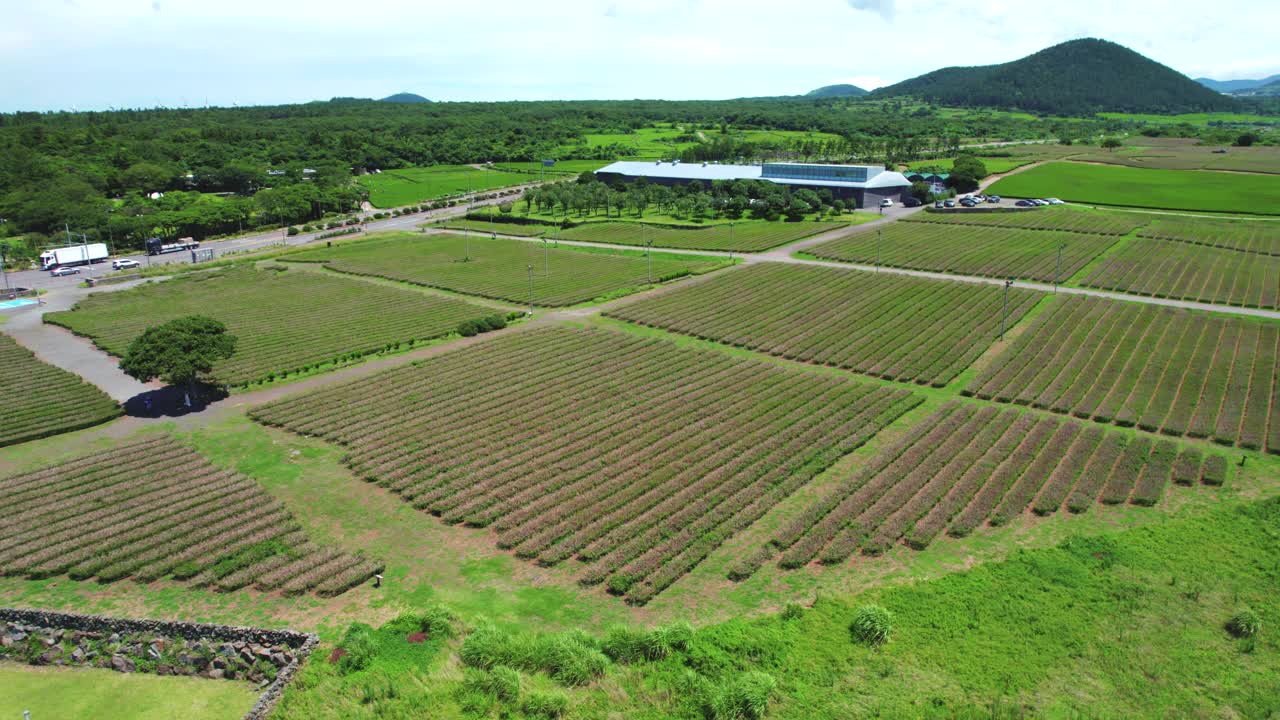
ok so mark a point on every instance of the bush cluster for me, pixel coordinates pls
(467, 328)
(871, 625)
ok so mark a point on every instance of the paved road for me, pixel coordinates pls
(40, 279)
(60, 347)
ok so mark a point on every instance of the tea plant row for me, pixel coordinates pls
(635, 456)
(1163, 369)
(891, 326)
(151, 509)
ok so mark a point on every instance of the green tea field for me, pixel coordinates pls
(510, 270)
(283, 321)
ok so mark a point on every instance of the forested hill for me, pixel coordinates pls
(1078, 77)
(405, 97)
(844, 90)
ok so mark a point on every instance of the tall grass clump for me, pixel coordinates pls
(1244, 624)
(871, 625)
(745, 697)
(358, 649)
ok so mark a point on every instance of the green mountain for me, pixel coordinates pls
(1235, 87)
(1079, 77)
(404, 97)
(844, 90)
(1271, 89)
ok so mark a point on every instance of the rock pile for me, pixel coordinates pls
(145, 652)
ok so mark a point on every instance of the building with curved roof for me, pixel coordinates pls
(866, 185)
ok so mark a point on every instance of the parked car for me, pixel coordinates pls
(1054, 201)
(993, 198)
(968, 202)
(886, 203)
(125, 264)
(1025, 203)
(911, 202)
(1040, 201)
(949, 203)
(937, 203)
(62, 270)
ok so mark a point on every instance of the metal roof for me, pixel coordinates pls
(698, 171)
(684, 171)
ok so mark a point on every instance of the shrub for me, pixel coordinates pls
(871, 625)
(486, 647)
(359, 649)
(545, 705)
(435, 620)
(792, 611)
(1244, 624)
(292, 231)
(570, 659)
(501, 682)
(623, 645)
(747, 696)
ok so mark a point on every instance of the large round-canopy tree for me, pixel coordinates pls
(181, 352)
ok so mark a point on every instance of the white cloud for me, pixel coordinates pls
(99, 53)
(883, 8)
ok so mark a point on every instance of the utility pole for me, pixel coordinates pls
(1058, 268)
(546, 262)
(648, 254)
(731, 241)
(530, 290)
(4, 259)
(879, 238)
(1004, 313)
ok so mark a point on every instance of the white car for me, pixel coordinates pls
(62, 270)
(1054, 201)
(886, 203)
(125, 264)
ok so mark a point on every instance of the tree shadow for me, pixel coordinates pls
(171, 401)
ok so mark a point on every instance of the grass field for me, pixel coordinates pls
(1259, 159)
(1128, 624)
(153, 509)
(284, 321)
(562, 167)
(1163, 369)
(1147, 188)
(1179, 270)
(410, 186)
(499, 268)
(969, 250)
(42, 400)
(923, 331)
(745, 236)
(1254, 236)
(52, 692)
(637, 477)
(964, 466)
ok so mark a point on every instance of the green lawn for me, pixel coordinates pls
(54, 693)
(1151, 188)
(393, 188)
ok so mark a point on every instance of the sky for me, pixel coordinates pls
(100, 54)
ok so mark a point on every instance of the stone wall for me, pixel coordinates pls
(270, 658)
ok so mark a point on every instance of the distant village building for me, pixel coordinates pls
(866, 185)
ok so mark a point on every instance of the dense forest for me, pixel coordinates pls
(228, 169)
(1073, 78)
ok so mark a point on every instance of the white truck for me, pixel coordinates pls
(73, 255)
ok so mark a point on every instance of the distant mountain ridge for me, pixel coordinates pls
(1078, 77)
(404, 97)
(842, 90)
(1232, 86)
(1271, 89)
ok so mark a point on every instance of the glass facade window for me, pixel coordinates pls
(836, 173)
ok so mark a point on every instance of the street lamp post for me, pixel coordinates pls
(1004, 313)
(4, 259)
(1057, 271)
(531, 289)
(879, 239)
(546, 262)
(648, 255)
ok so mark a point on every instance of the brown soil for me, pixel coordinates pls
(416, 638)
(336, 655)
